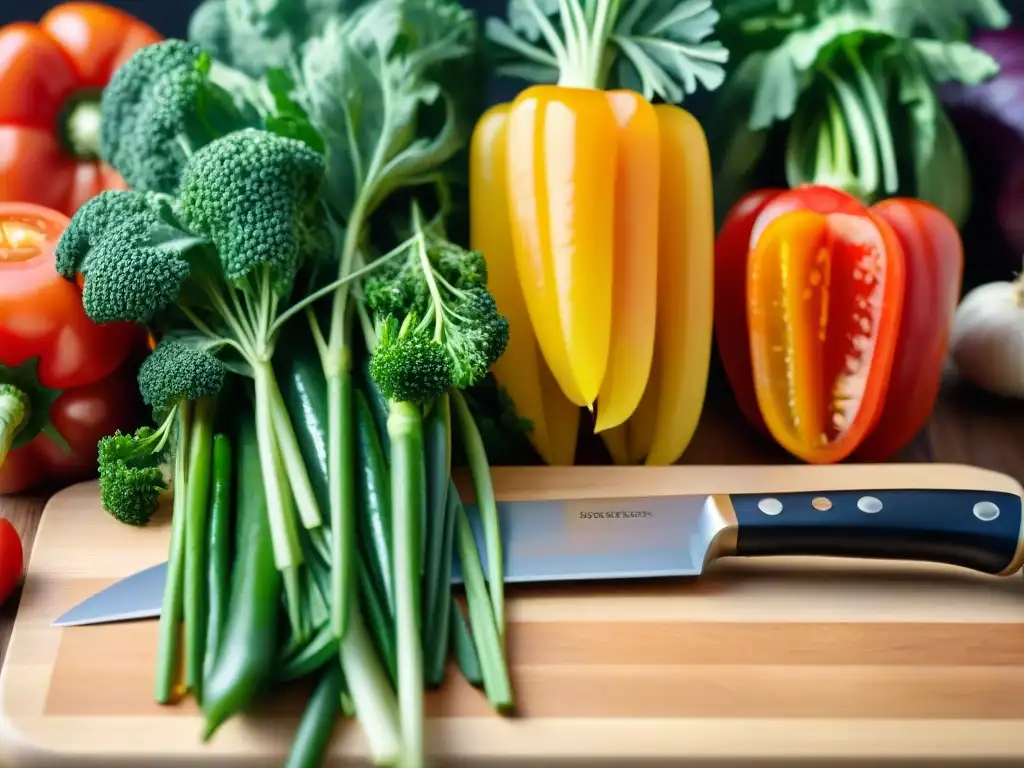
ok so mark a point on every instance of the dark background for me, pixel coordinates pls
(170, 17)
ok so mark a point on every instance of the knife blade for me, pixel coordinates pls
(678, 536)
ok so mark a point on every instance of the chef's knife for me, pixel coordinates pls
(549, 541)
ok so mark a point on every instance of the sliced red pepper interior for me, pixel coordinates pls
(824, 315)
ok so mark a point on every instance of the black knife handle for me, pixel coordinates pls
(973, 529)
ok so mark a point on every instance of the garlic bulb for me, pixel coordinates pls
(987, 345)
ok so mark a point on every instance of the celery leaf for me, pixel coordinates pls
(666, 48)
(661, 48)
(256, 35)
(365, 81)
(956, 61)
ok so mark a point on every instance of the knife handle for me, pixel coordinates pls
(980, 530)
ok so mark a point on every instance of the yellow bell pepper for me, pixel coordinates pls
(521, 370)
(663, 424)
(601, 203)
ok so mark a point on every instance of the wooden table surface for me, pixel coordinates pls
(967, 427)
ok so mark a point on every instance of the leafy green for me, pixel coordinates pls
(661, 48)
(256, 35)
(364, 81)
(945, 19)
(854, 80)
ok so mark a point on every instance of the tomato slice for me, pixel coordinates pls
(41, 313)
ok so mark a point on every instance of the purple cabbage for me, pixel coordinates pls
(989, 119)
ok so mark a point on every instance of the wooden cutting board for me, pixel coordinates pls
(757, 662)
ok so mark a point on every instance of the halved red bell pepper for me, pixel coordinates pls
(872, 392)
(51, 77)
(732, 249)
(934, 256)
(65, 382)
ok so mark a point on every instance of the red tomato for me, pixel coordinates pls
(12, 559)
(77, 375)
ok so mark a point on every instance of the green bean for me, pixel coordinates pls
(437, 440)
(219, 549)
(381, 627)
(309, 747)
(438, 647)
(374, 502)
(249, 645)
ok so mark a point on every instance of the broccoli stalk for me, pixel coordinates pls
(180, 383)
(172, 606)
(409, 508)
(14, 407)
(216, 266)
(438, 330)
(377, 143)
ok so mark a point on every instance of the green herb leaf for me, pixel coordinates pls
(365, 80)
(666, 50)
(946, 181)
(289, 118)
(661, 48)
(786, 71)
(256, 35)
(940, 166)
(942, 19)
(957, 61)
(917, 97)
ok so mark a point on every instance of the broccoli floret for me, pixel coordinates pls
(256, 196)
(131, 479)
(476, 335)
(461, 268)
(408, 366)
(164, 103)
(445, 286)
(249, 200)
(132, 258)
(173, 372)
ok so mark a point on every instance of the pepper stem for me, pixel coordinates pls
(81, 127)
(14, 409)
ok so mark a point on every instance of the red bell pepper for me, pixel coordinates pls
(934, 256)
(65, 382)
(854, 369)
(732, 247)
(51, 77)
